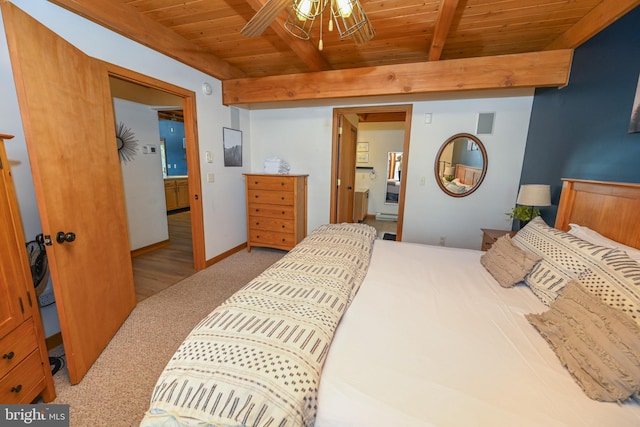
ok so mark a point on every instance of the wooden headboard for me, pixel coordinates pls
(468, 175)
(610, 208)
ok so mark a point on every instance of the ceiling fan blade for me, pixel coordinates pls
(263, 18)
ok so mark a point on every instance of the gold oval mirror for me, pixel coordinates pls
(461, 165)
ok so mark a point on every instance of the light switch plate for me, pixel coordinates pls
(208, 156)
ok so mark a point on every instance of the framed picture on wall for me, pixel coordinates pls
(634, 123)
(362, 157)
(362, 146)
(232, 143)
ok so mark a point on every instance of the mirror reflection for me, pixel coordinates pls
(461, 165)
(394, 172)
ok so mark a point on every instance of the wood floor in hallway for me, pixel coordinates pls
(157, 270)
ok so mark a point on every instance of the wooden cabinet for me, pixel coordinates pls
(176, 193)
(25, 372)
(489, 236)
(276, 210)
(360, 205)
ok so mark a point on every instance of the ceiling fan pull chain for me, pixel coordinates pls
(320, 44)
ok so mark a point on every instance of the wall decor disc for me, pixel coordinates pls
(126, 143)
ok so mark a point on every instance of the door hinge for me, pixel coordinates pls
(340, 130)
(338, 182)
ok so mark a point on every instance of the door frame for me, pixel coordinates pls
(192, 151)
(407, 109)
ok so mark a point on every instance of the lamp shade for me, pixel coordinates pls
(448, 171)
(534, 195)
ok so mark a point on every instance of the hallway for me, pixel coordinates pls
(157, 270)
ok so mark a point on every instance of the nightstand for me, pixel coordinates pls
(489, 236)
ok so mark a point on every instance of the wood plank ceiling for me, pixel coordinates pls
(419, 46)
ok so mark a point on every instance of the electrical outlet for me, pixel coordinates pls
(442, 240)
(210, 177)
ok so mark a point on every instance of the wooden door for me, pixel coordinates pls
(69, 126)
(346, 170)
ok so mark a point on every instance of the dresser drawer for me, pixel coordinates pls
(270, 197)
(271, 183)
(271, 224)
(23, 383)
(271, 211)
(16, 346)
(272, 238)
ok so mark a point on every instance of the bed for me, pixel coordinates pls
(425, 335)
(468, 175)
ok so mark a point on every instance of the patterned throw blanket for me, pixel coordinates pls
(256, 359)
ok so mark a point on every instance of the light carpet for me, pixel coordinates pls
(116, 390)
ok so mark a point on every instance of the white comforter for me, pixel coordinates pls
(432, 340)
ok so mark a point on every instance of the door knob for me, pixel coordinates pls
(62, 237)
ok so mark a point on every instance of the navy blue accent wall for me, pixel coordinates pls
(176, 154)
(581, 131)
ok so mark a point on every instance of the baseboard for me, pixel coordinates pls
(53, 341)
(150, 248)
(226, 254)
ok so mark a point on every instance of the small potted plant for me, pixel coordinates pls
(523, 214)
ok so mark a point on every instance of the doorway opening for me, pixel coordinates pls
(360, 167)
(173, 166)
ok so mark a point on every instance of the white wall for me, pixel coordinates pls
(224, 217)
(143, 182)
(302, 136)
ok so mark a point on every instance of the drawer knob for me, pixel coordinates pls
(282, 225)
(257, 196)
(257, 222)
(16, 389)
(282, 197)
(8, 356)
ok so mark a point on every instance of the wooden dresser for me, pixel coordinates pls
(276, 210)
(489, 237)
(360, 204)
(25, 372)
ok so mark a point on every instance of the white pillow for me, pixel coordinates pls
(591, 236)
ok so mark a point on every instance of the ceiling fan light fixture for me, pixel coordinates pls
(349, 18)
(344, 7)
(347, 15)
(308, 9)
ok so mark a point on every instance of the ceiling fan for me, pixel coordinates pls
(348, 16)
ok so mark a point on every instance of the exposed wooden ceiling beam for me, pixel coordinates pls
(125, 20)
(304, 49)
(446, 12)
(595, 21)
(538, 69)
(391, 116)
